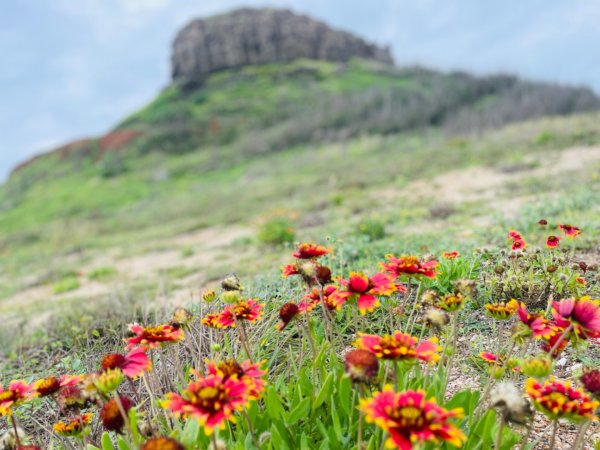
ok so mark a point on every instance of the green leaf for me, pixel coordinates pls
(106, 442)
(273, 404)
(298, 412)
(325, 392)
(122, 444)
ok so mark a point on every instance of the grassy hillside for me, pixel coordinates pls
(323, 145)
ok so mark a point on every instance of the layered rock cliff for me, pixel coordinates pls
(259, 36)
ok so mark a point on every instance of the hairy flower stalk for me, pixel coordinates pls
(453, 340)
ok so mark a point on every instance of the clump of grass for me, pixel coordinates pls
(102, 273)
(66, 285)
(186, 252)
(277, 231)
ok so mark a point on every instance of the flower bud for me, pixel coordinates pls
(109, 380)
(231, 283)
(551, 269)
(209, 295)
(361, 365)
(231, 296)
(591, 381)
(539, 367)
(111, 416)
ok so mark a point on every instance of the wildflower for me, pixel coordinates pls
(538, 325)
(539, 367)
(436, 319)
(555, 343)
(231, 283)
(211, 320)
(133, 364)
(162, 443)
(289, 269)
(51, 385)
(513, 406)
(361, 365)
(552, 241)
(570, 230)
(451, 255)
(515, 235)
(313, 298)
(153, 336)
(582, 313)
(491, 358)
(502, 310)
(581, 281)
(310, 251)
(543, 222)
(518, 245)
(451, 302)
(17, 393)
(591, 381)
(74, 426)
(181, 318)
(409, 265)
(313, 273)
(399, 346)
(211, 400)
(209, 295)
(286, 313)
(557, 399)
(72, 397)
(109, 380)
(250, 373)
(249, 310)
(364, 290)
(112, 418)
(409, 418)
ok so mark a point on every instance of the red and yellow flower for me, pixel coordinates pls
(289, 269)
(409, 418)
(365, 290)
(153, 336)
(133, 364)
(553, 241)
(583, 314)
(570, 230)
(211, 400)
(162, 443)
(51, 385)
(310, 251)
(361, 365)
(250, 373)
(409, 265)
(74, 426)
(244, 310)
(451, 255)
(399, 346)
(502, 310)
(313, 298)
(17, 393)
(451, 302)
(558, 399)
(538, 325)
(211, 320)
(286, 314)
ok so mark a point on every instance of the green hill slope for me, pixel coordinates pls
(315, 138)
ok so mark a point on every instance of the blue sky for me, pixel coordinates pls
(73, 68)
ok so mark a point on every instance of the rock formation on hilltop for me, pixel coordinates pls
(258, 36)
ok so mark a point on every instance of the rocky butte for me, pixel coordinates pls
(259, 36)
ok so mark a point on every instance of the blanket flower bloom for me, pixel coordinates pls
(451, 255)
(17, 393)
(51, 385)
(582, 313)
(399, 346)
(289, 269)
(451, 302)
(286, 314)
(361, 365)
(308, 250)
(502, 310)
(162, 443)
(409, 418)
(590, 379)
(558, 399)
(365, 290)
(211, 400)
(552, 241)
(153, 336)
(538, 325)
(250, 373)
(313, 298)
(211, 320)
(74, 426)
(410, 266)
(248, 310)
(133, 364)
(570, 230)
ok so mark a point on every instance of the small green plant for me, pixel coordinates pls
(186, 252)
(277, 231)
(372, 228)
(102, 273)
(66, 285)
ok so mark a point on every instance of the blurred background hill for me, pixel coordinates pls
(276, 127)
